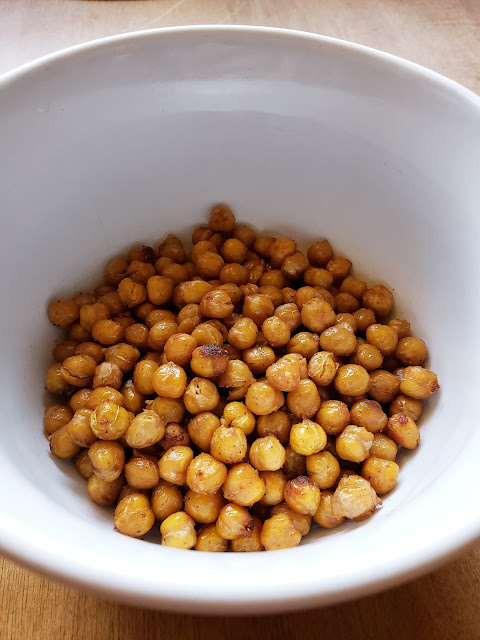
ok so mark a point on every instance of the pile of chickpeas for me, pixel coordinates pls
(235, 392)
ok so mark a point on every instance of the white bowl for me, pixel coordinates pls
(131, 137)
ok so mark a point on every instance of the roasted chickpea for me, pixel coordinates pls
(352, 380)
(236, 415)
(56, 416)
(62, 445)
(379, 299)
(354, 498)
(302, 495)
(208, 539)
(175, 435)
(79, 428)
(63, 313)
(346, 303)
(216, 304)
(307, 437)
(322, 368)
(160, 333)
(78, 370)
(107, 459)
(276, 424)
(289, 296)
(353, 286)
(243, 333)
(267, 454)
(133, 400)
(324, 515)
(63, 350)
(403, 404)
(233, 250)
(364, 318)
(258, 307)
(383, 386)
(122, 354)
(200, 395)
(285, 374)
(295, 265)
(383, 337)
(354, 443)
(100, 394)
(205, 474)
(107, 374)
(142, 254)
(280, 249)
(279, 532)
(143, 376)
(201, 429)
(83, 464)
(134, 516)
(209, 360)
(234, 521)
(251, 543)
(169, 380)
(102, 492)
(174, 463)
(304, 343)
(78, 333)
(222, 219)
(338, 340)
(234, 273)
(140, 271)
(295, 464)
(131, 293)
(263, 245)
(141, 472)
(192, 291)
(382, 474)
(115, 271)
(402, 327)
(274, 485)
(411, 351)
(259, 358)
(137, 335)
(317, 315)
(109, 421)
(403, 430)
(145, 430)
(272, 278)
(262, 398)
(276, 331)
(368, 414)
(166, 499)
(317, 277)
(91, 349)
(172, 247)
(368, 356)
(178, 531)
(320, 253)
(243, 485)
(383, 447)
(323, 469)
(202, 507)
(304, 401)
(228, 445)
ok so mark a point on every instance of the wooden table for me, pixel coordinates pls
(441, 34)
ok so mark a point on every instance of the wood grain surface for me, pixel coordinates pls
(441, 34)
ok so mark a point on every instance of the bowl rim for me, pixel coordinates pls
(37, 553)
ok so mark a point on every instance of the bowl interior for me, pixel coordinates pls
(128, 140)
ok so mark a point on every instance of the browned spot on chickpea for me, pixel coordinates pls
(209, 360)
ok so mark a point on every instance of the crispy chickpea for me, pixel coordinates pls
(209, 360)
(134, 516)
(259, 358)
(78, 333)
(201, 429)
(383, 337)
(122, 354)
(411, 351)
(305, 294)
(354, 443)
(78, 370)
(364, 318)
(91, 349)
(83, 464)
(79, 428)
(243, 333)
(209, 264)
(100, 394)
(205, 474)
(166, 499)
(188, 318)
(289, 296)
(302, 496)
(274, 485)
(251, 543)
(143, 254)
(352, 380)
(379, 299)
(383, 447)
(272, 278)
(246, 235)
(202, 507)
(276, 424)
(262, 398)
(63, 313)
(304, 343)
(276, 331)
(234, 521)
(236, 415)
(143, 376)
(145, 430)
(338, 340)
(141, 472)
(56, 416)
(338, 267)
(222, 219)
(102, 492)
(263, 245)
(243, 485)
(131, 293)
(401, 326)
(317, 315)
(216, 304)
(368, 356)
(267, 454)
(353, 286)
(140, 271)
(159, 289)
(172, 247)
(307, 437)
(169, 380)
(280, 249)
(383, 386)
(409, 406)
(109, 421)
(192, 291)
(284, 374)
(174, 463)
(304, 401)
(137, 335)
(295, 265)
(115, 271)
(133, 400)
(346, 303)
(233, 250)
(107, 459)
(295, 464)
(234, 273)
(279, 532)
(258, 307)
(289, 314)
(107, 374)
(317, 277)
(323, 469)
(403, 430)
(346, 320)
(324, 515)
(62, 445)
(368, 414)
(63, 350)
(382, 474)
(208, 539)
(200, 395)
(320, 253)
(160, 333)
(175, 435)
(354, 498)
(228, 445)
(322, 368)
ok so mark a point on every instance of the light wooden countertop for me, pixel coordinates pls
(441, 34)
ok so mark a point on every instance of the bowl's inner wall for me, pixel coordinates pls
(123, 146)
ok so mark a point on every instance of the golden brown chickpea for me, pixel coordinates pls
(339, 267)
(174, 463)
(140, 271)
(145, 430)
(143, 376)
(290, 315)
(107, 459)
(209, 361)
(201, 234)
(169, 381)
(166, 499)
(272, 278)
(295, 265)
(403, 404)
(131, 293)
(83, 298)
(403, 430)
(134, 516)
(63, 313)
(243, 333)
(236, 415)
(317, 315)
(150, 314)
(383, 447)
(354, 498)
(289, 296)
(222, 219)
(284, 374)
(122, 354)
(63, 350)
(160, 333)
(323, 469)
(368, 356)
(133, 400)
(62, 445)
(274, 485)
(353, 286)
(379, 299)
(295, 464)
(192, 291)
(364, 318)
(178, 531)
(78, 370)
(346, 320)
(279, 532)
(276, 424)
(201, 247)
(302, 496)
(263, 245)
(280, 249)
(304, 343)
(338, 340)
(383, 386)
(322, 368)
(102, 492)
(109, 421)
(203, 507)
(228, 445)
(124, 320)
(90, 349)
(216, 304)
(175, 435)
(320, 253)
(179, 348)
(245, 234)
(346, 303)
(274, 293)
(324, 515)
(411, 351)
(200, 395)
(115, 271)
(276, 331)
(243, 485)
(107, 374)
(352, 380)
(251, 543)
(179, 272)
(267, 454)
(234, 521)
(205, 474)
(188, 318)
(80, 430)
(159, 289)
(201, 429)
(307, 437)
(305, 294)
(368, 414)
(262, 398)
(383, 337)
(100, 394)
(233, 250)
(137, 335)
(78, 333)
(258, 308)
(354, 443)
(382, 474)
(172, 247)
(141, 472)
(83, 464)
(401, 326)
(258, 358)
(55, 382)
(208, 539)
(143, 254)
(317, 277)
(56, 416)
(304, 401)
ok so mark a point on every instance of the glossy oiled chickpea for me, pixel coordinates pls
(354, 443)
(91, 349)
(272, 278)
(78, 370)
(208, 539)
(188, 318)
(141, 472)
(263, 399)
(102, 492)
(279, 532)
(263, 245)
(352, 380)
(191, 291)
(175, 435)
(166, 499)
(145, 430)
(290, 315)
(276, 424)
(159, 289)
(257, 307)
(200, 395)
(107, 459)
(258, 358)
(234, 521)
(134, 516)
(78, 333)
(83, 464)
(170, 409)
(280, 249)
(333, 416)
(251, 543)
(209, 361)
(143, 254)
(140, 271)
(143, 376)
(243, 485)
(203, 507)
(411, 351)
(100, 394)
(403, 430)
(354, 498)
(209, 264)
(323, 469)
(383, 337)
(216, 304)
(137, 335)
(322, 368)
(243, 333)
(295, 464)
(107, 374)
(302, 495)
(56, 416)
(63, 313)
(80, 430)
(364, 318)
(324, 515)
(403, 404)
(235, 294)
(160, 332)
(368, 356)
(174, 463)
(124, 355)
(62, 445)
(339, 340)
(307, 437)
(383, 386)
(368, 414)
(131, 293)
(274, 485)
(109, 421)
(233, 250)
(382, 474)
(222, 219)
(317, 277)
(317, 315)
(201, 429)
(383, 447)
(234, 273)
(169, 380)
(353, 286)
(346, 320)
(295, 265)
(284, 374)
(63, 350)
(304, 401)
(345, 303)
(379, 299)
(205, 474)
(401, 326)
(320, 253)
(304, 343)
(245, 234)
(228, 445)
(151, 315)
(115, 271)
(267, 454)
(276, 331)
(172, 247)
(133, 400)
(289, 296)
